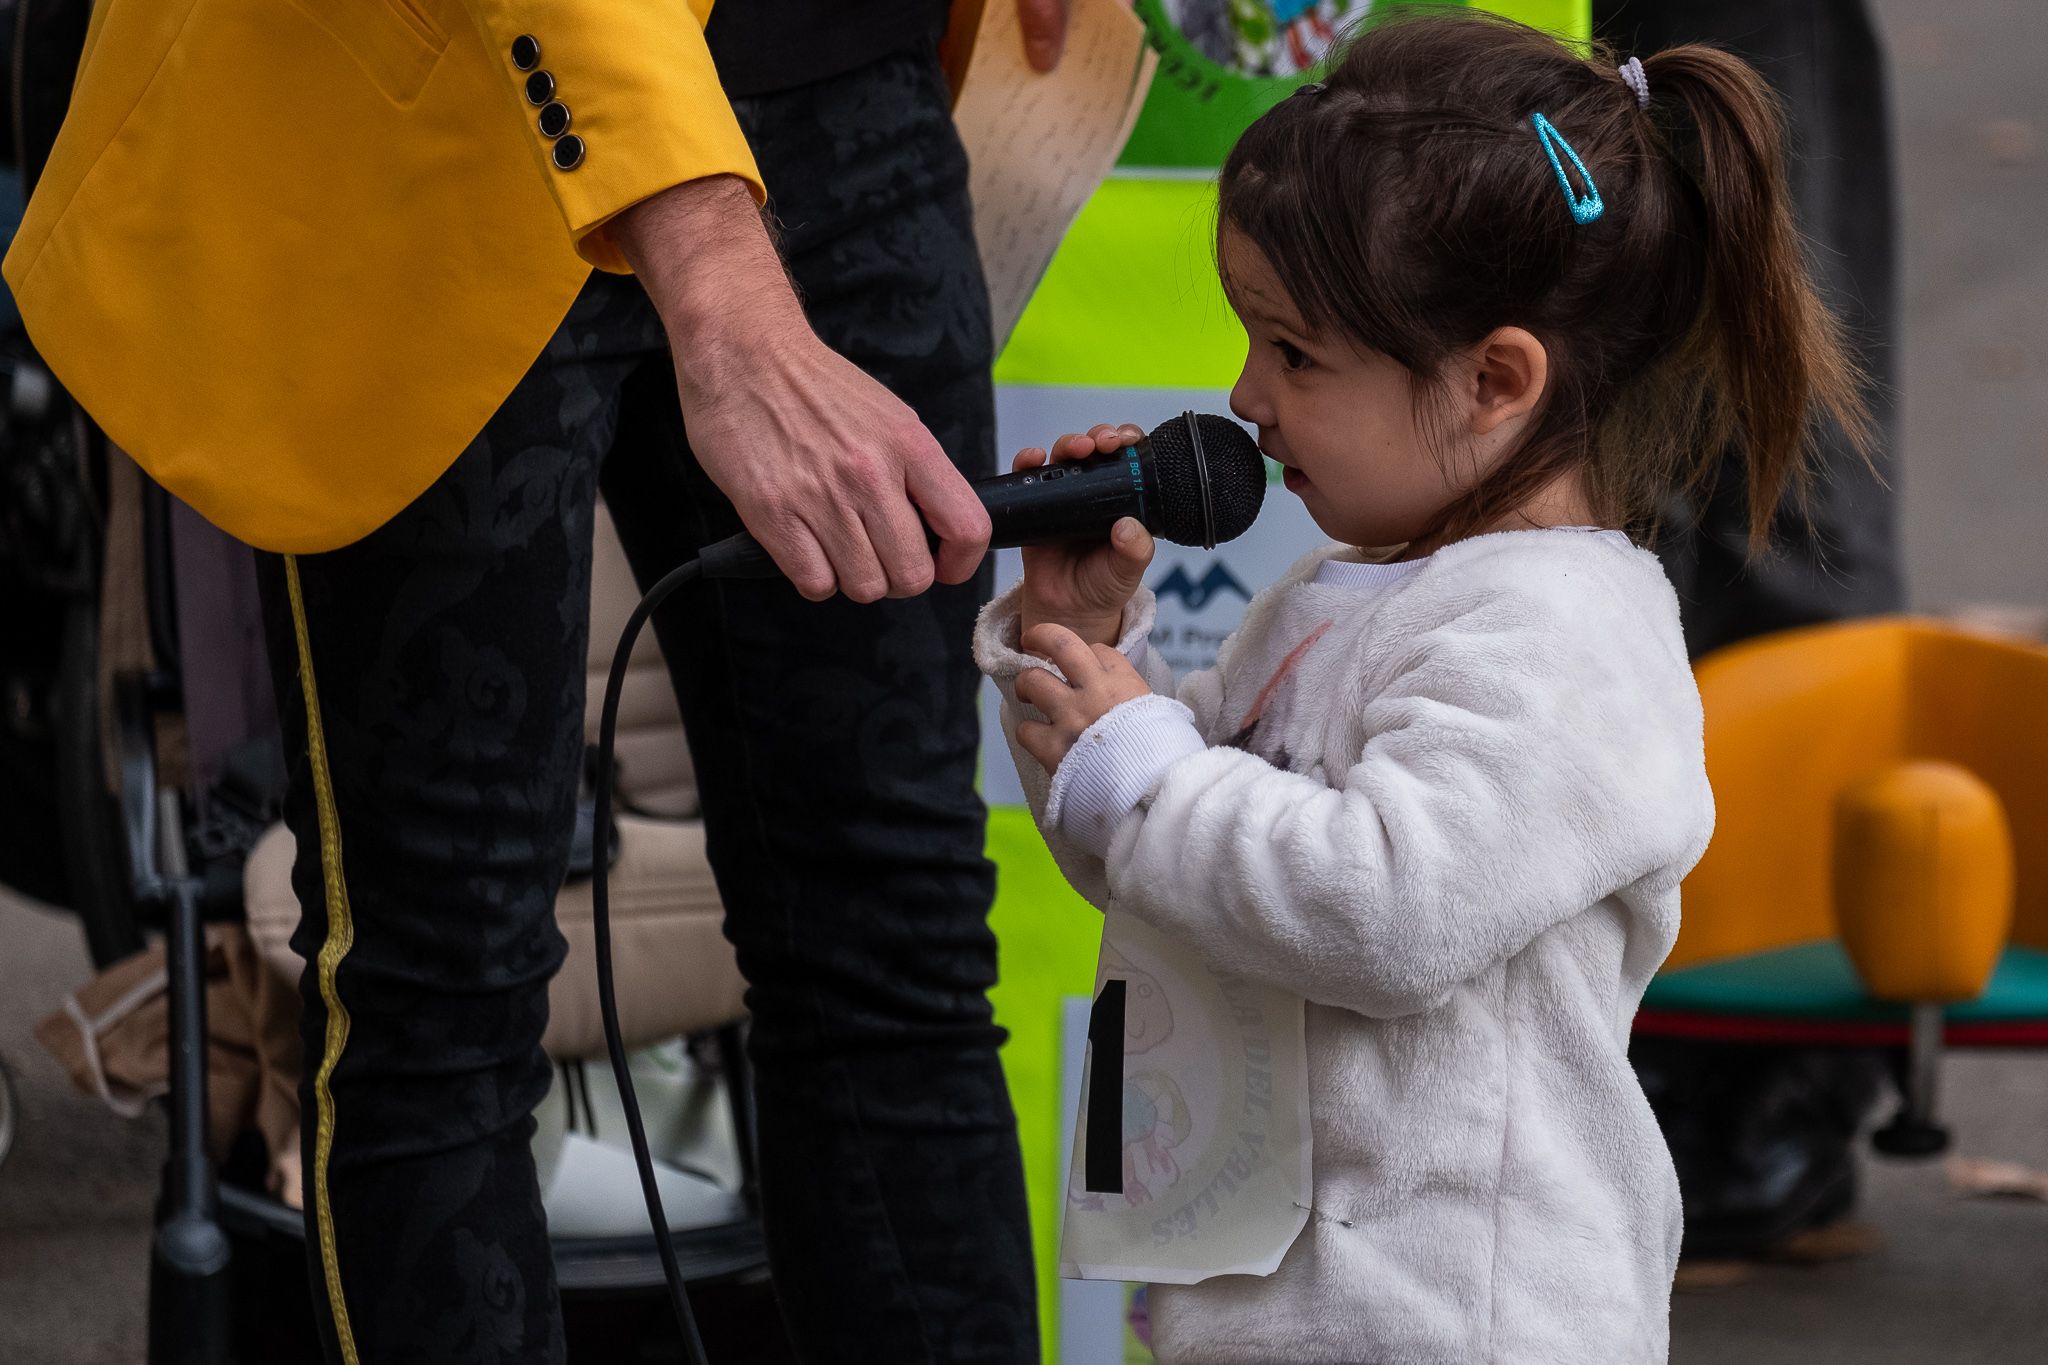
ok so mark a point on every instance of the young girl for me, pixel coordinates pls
(1504, 301)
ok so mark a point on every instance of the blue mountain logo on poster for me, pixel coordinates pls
(1196, 594)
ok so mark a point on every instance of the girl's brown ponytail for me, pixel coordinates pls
(1773, 352)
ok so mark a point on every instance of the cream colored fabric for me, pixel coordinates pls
(112, 1036)
(675, 971)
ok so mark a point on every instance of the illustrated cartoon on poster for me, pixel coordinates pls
(1263, 37)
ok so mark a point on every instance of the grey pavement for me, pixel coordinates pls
(1972, 104)
(76, 1192)
(1958, 1282)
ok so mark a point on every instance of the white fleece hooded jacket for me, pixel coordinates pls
(1470, 869)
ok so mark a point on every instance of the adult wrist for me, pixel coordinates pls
(704, 256)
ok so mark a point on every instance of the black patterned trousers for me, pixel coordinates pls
(439, 741)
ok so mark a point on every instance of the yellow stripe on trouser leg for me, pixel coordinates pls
(341, 934)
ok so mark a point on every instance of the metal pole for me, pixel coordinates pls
(1923, 1060)
(189, 1323)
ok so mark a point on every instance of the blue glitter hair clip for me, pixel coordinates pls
(1587, 207)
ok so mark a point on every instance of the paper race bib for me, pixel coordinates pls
(1191, 1153)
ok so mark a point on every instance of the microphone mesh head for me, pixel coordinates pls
(1237, 479)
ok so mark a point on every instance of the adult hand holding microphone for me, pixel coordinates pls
(835, 476)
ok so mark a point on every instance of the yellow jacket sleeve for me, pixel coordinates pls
(645, 109)
(293, 254)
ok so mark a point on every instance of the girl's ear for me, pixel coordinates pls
(1509, 370)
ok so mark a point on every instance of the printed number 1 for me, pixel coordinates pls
(1103, 1141)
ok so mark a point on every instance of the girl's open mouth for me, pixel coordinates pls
(1293, 478)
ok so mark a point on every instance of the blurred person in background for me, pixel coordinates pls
(1763, 1136)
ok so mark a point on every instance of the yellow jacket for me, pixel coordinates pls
(292, 254)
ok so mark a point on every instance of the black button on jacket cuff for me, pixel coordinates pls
(567, 152)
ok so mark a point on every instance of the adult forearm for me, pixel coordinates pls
(706, 260)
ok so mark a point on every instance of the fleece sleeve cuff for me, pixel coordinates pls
(1001, 657)
(1115, 764)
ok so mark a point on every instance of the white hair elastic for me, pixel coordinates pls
(1633, 76)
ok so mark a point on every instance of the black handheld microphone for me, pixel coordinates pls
(1196, 480)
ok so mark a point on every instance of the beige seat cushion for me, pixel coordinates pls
(673, 967)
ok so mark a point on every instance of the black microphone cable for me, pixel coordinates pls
(601, 932)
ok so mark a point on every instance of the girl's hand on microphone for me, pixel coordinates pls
(1098, 680)
(1084, 585)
